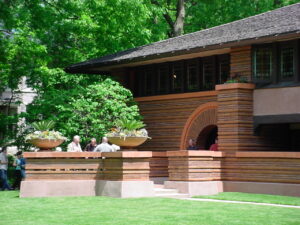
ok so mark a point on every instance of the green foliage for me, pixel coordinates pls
(43, 125)
(87, 112)
(39, 38)
(130, 125)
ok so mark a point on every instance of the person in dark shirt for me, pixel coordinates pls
(91, 146)
(192, 145)
(19, 166)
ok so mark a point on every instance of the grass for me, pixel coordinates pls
(142, 211)
(247, 197)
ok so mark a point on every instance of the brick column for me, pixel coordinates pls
(126, 165)
(235, 117)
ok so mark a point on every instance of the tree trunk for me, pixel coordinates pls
(178, 26)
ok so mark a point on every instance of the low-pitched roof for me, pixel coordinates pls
(285, 20)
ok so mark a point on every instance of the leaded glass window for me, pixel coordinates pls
(287, 62)
(262, 68)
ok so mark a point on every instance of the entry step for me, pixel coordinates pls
(169, 193)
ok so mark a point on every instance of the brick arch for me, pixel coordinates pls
(205, 115)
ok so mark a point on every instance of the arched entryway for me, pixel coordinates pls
(207, 137)
(203, 121)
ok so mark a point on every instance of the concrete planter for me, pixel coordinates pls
(46, 144)
(128, 142)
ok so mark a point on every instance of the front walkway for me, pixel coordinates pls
(239, 202)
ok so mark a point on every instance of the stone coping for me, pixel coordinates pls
(235, 86)
(195, 153)
(176, 96)
(120, 154)
(241, 154)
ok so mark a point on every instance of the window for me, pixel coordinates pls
(200, 74)
(192, 76)
(208, 74)
(287, 62)
(163, 79)
(276, 63)
(262, 63)
(149, 87)
(177, 77)
(224, 69)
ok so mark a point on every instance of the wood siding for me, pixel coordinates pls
(165, 118)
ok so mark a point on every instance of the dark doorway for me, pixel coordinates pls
(207, 137)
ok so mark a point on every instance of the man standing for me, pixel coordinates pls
(3, 169)
(104, 146)
(74, 146)
(91, 146)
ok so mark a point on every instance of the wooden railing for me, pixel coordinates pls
(282, 167)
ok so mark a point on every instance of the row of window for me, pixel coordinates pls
(182, 76)
(276, 62)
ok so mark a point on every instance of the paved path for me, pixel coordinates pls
(238, 202)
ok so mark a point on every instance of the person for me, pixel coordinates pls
(3, 169)
(104, 146)
(91, 146)
(214, 147)
(115, 147)
(74, 146)
(19, 165)
(192, 145)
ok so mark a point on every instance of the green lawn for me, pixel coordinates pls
(148, 211)
(247, 197)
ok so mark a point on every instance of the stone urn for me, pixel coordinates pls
(46, 144)
(128, 143)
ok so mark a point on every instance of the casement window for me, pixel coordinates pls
(208, 73)
(177, 76)
(192, 75)
(148, 82)
(223, 69)
(200, 74)
(276, 63)
(287, 61)
(163, 79)
(262, 63)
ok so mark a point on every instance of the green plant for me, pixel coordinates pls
(129, 125)
(43, 125)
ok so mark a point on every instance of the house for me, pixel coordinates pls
(15, 102)
(179, 86)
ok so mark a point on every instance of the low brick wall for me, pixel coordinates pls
(277, 167)
(159, 164)
(116, 166)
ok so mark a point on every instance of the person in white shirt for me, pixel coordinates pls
(104, 146)
(74, 146)
(3, 169)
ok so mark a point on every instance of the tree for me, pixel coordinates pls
(186, 16)
(88, 112)
(39, 38)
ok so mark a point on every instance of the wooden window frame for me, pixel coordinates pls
(273, 70)
(276, 49)
(188, 64)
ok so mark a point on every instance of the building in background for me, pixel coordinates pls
(179, 86)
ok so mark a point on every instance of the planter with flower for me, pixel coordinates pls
(43, 137)
(128, 134)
